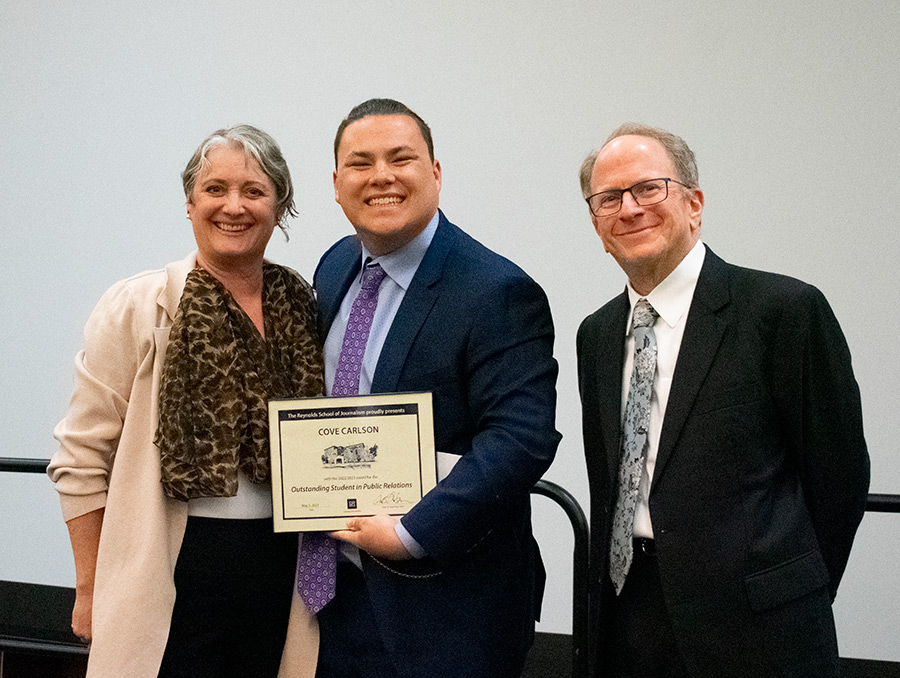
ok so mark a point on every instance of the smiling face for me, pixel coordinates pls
(232, 208)
(647, 242)
(385, 181)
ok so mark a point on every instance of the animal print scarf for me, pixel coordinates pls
(219, 374)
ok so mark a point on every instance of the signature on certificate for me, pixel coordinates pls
(391, 499)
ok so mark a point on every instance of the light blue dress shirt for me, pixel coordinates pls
(400, 267)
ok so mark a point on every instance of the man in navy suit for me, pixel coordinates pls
(754, 468)
(453, 588)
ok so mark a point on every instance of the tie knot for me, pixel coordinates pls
(372, 277)
(644, 314)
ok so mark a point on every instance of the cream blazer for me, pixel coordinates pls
(106, 458)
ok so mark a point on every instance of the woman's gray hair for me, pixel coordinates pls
(676, 148)
(262, 148)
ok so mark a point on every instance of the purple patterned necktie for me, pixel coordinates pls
(317, 560)
(635, 437)
(346, 378)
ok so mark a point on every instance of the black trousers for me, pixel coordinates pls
(233, 585)
(350, 643)
(642, 642)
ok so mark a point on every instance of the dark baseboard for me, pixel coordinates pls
(36, 612)
(551, 657)
(35, 636)
(35, 640)
(17, 665)
(869, 668)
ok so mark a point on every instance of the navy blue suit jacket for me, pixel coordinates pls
(761, 474)
(476, 331)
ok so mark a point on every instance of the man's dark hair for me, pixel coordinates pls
(382, 107)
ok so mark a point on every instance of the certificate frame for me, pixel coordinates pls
(334, 459)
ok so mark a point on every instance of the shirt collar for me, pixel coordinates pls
(401, 264)
(672, 297)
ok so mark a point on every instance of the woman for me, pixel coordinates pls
(163, 464)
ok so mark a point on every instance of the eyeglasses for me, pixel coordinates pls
(648, 192)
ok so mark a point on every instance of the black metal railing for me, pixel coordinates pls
(883, 503)
(580, 607)
(20, 465)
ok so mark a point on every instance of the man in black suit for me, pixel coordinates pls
(751, 470)
(450, 591)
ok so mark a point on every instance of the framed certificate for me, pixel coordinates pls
(335, 458)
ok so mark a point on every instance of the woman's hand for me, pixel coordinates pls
(81, 615)
(84, 533)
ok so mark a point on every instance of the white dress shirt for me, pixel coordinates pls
(672, 300)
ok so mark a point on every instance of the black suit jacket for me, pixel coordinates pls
(761, 474)
(476, 331)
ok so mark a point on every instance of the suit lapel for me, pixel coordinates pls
(414, 309)
(333, 279)
(702, 336)
(609, 357)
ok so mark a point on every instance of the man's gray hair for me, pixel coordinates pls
(680, 153)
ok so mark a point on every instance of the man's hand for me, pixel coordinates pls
(375, 535)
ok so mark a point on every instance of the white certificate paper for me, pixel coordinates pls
(335, 458)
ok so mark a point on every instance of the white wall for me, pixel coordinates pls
(792, 109)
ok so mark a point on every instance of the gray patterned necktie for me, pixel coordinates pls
(317, 560)
(635, 434)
